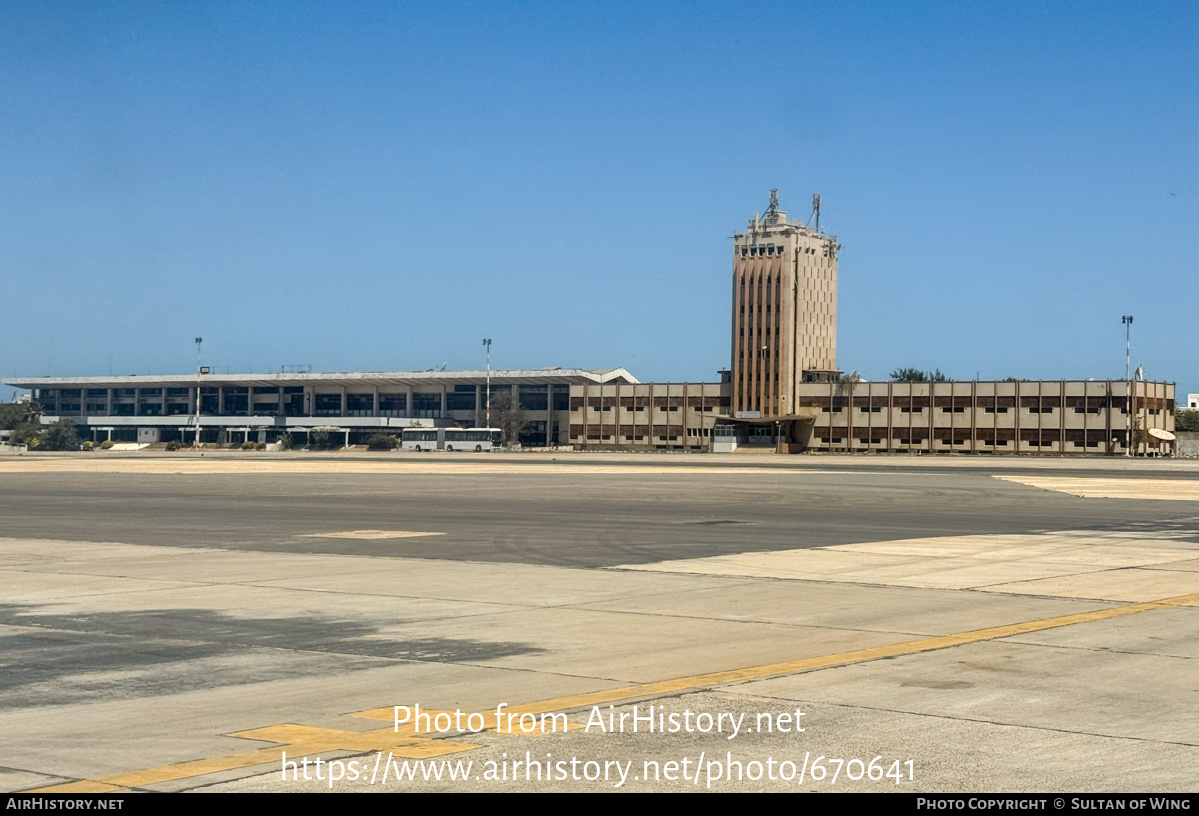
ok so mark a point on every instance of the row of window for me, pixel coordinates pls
(836, 440)
(903, 409)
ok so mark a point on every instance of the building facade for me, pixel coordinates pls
(784, 312)
(260, 407)
(1024, 417)
(646, 416)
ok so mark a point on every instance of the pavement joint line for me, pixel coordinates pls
(996, 723)
(307, 740)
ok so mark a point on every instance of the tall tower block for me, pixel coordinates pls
(784, 311)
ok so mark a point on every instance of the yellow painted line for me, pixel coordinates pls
(86, 786)
(306, 740)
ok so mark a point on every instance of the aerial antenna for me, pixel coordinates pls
(815, 211)
(774, 201)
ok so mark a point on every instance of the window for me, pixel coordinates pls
(327, 404)
(460, 400)
(360, 404)
(393, 402)
(426, 404)
(535, 398)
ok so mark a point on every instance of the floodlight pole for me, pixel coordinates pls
(487, 345)
(1127, 321)
(199, 347)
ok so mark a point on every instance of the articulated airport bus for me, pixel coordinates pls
(450, 439)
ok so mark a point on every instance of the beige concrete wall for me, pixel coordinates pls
(662, 416)
(985, 417)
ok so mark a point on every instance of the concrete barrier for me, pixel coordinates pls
(1187, 445)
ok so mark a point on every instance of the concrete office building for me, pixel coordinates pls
(784, 391)
(662, 416)
(1056, 416)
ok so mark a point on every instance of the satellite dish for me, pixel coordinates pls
(1158, 433)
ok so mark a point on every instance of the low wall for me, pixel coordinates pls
(1187, 445)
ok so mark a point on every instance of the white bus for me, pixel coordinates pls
(450, 439)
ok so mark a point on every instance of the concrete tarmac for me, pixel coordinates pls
(177, 623)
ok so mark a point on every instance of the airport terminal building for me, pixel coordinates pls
(233, 408)
(782, 390)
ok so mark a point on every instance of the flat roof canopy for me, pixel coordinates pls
(520, 376)
(808, 415)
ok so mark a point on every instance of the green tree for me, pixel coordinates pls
(1187, 420)
(14, 414)
(915, 375)
(61, 436)
(26, 434)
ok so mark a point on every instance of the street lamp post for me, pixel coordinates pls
(1127, 321)
(487, 345)
(199, 347)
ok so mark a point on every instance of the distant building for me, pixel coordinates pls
(1192, 400)
(1055, 416)
(782, 392)
(259, 407)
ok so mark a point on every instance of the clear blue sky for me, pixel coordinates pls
(365, 186)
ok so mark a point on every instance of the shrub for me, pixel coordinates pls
(382, 441)
(173, 445)
(248, 445)
(27, 433)
(106, 444)
(259, 446)
(61, 436)
(88, 445)
(1187, 420)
